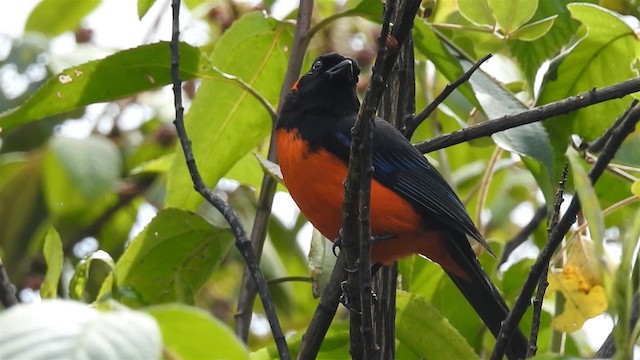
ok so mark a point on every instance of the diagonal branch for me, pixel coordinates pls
(242, 242)
(415, 121)
(539, 113)
(268, 188)
(523, 301)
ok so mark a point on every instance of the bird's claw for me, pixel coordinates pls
(347, 303)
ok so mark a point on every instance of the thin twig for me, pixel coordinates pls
(484, 187)
(543, 283)
(268, 188)
(539, 113)
(415, 121)
(524, 298)
(523, 234)
(242, 242)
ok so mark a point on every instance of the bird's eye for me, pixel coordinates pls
(317, 65)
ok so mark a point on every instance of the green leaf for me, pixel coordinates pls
(532, 54)
(53, 17)
(122, 74)
(420, 327)
(192, 333)
(144, 6)
(602, 57)
(635, 188)
(93, 164)
(225, 122)
(321, 262)
(68, 186)
(89, 275)
(22, 207)
(535, 30)
(588, 200)
(178, 250)
(57, 329)
(54, 258)
(430, 45)
(477, 12)
(512, 14)
(529, 140)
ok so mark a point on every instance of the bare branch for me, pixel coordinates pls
(543, 283)
(242, 242)
(415, 121)
(539, 113)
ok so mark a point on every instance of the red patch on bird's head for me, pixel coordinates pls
(294, 87)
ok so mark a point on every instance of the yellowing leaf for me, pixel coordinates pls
(581, 304)
(579, 282)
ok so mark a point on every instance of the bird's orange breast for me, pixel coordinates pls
(315, 180)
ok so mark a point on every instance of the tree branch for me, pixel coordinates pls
(268, 189)
(242, 243)
(523, 234)
(626, 127)
(357, 234)
(539, 113)
(415, 121)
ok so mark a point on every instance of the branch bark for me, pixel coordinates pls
(539, 113)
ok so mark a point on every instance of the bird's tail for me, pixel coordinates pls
(485, 298)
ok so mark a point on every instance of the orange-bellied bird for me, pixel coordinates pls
(412, 206)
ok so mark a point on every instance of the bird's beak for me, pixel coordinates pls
(344, 67)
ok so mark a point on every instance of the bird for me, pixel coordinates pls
(413, 210)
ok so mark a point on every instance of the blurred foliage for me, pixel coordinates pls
(76, 206)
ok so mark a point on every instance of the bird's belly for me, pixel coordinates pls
(316, 182)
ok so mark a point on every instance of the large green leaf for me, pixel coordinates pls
(191, 333)
(122, 74)
(420, 327)
(178, 250)
(58, 329)
(602, 57)
(225, 122)
(53, 17)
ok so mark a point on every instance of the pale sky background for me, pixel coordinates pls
(116, 26)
